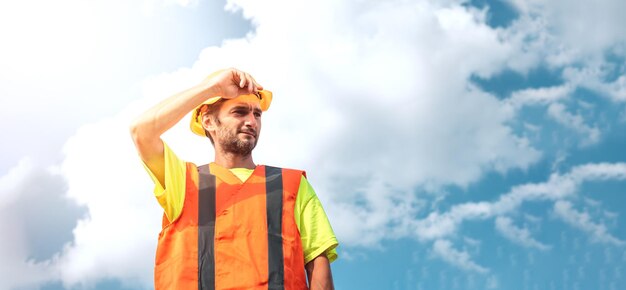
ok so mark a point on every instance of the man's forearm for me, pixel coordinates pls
(160, 118)
(319, 274)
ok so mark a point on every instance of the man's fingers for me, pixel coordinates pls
(251, 85)
(242, 79)
(257, 87)
(245, 81)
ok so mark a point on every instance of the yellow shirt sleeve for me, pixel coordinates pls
(316, 233)
(171, 195)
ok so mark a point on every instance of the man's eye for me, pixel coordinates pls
(257, 114)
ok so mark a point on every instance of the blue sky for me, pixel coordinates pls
(454, 144)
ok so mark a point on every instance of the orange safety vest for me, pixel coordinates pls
(232, 234)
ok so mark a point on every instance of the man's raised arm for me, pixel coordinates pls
(146, 130)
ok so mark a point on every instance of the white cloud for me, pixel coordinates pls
(36, 220)
(438, 226)
(599, 172)
(538, 96)
(105, 174)
(531, 218)
(592, 202)
(610, 215)
(558, 187)
(471, 242)
(15, 268)
(10, 182)
(444, 250)
(115, 238)
(582, 220)
(521, 236)
(594, 76)
(551, 97)
(600, 22)
(575, 122)
(547, 24)
(545, 35)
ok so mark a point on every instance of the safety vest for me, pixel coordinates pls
(232, 234)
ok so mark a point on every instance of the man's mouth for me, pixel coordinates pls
(251, 133)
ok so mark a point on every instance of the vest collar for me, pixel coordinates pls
(227, 176)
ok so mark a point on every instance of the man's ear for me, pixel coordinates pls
(208, 123)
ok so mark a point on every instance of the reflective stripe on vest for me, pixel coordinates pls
(206, 229)
(244, 234)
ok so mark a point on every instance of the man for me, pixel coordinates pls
(231, 224)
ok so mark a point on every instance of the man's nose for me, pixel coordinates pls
(251, 120)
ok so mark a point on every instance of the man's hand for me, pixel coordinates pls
(230, 83)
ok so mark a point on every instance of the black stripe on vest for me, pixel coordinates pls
(274, 206)
(206, 229)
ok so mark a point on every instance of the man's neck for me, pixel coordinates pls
(230, 160)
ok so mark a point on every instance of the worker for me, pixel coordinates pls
(231, 224)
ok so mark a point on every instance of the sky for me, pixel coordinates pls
(454, 144)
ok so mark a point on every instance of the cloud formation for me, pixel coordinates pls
(558, 189)
(520, 236)
(394, 118)
(105, 174)
(444, 250)
(582, 220)
(576, 122)
(36, 221)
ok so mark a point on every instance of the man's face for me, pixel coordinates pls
(238, 126)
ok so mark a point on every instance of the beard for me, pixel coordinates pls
(231, 143)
